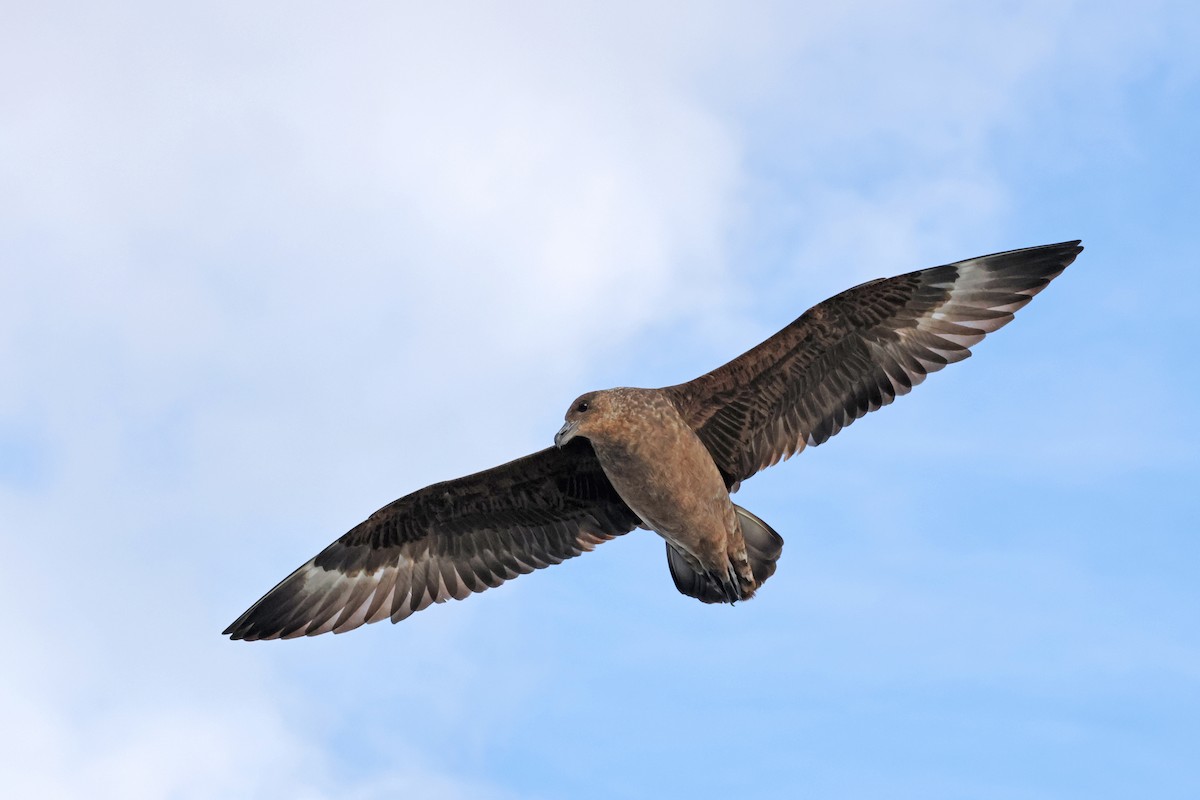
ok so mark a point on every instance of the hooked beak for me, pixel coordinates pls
(565, 434)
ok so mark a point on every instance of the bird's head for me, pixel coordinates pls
(581, 417)
(601, 416)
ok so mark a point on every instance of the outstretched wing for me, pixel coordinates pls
(446, 541)
(854, 353)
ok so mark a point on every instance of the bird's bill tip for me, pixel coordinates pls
(565, 434)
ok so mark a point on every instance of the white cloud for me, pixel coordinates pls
(246, 239)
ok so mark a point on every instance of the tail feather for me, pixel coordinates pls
(763, 546)
(693, 582)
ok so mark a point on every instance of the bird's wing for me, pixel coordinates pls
(446, 541)
(854, 353)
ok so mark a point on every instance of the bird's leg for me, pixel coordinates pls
(735, 584)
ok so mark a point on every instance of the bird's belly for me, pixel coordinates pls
(679, 494)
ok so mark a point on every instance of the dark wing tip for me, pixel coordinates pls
(1060, 254)
(272, 615)
(1024, 272)
(331, 592)
(249, 627)
(1065, 252)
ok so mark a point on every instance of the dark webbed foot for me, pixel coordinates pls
(727, 584)
(709, 585)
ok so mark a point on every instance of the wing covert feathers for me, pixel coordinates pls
(856, 352)
(445, 542)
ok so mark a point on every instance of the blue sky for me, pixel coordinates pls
(266, 267)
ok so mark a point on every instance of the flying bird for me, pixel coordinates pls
(664, 459)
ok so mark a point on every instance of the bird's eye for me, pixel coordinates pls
(582, 407)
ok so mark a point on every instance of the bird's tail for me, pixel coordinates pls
(763, 546)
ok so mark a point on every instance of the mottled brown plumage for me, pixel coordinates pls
(663, 472)
(662, 459)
